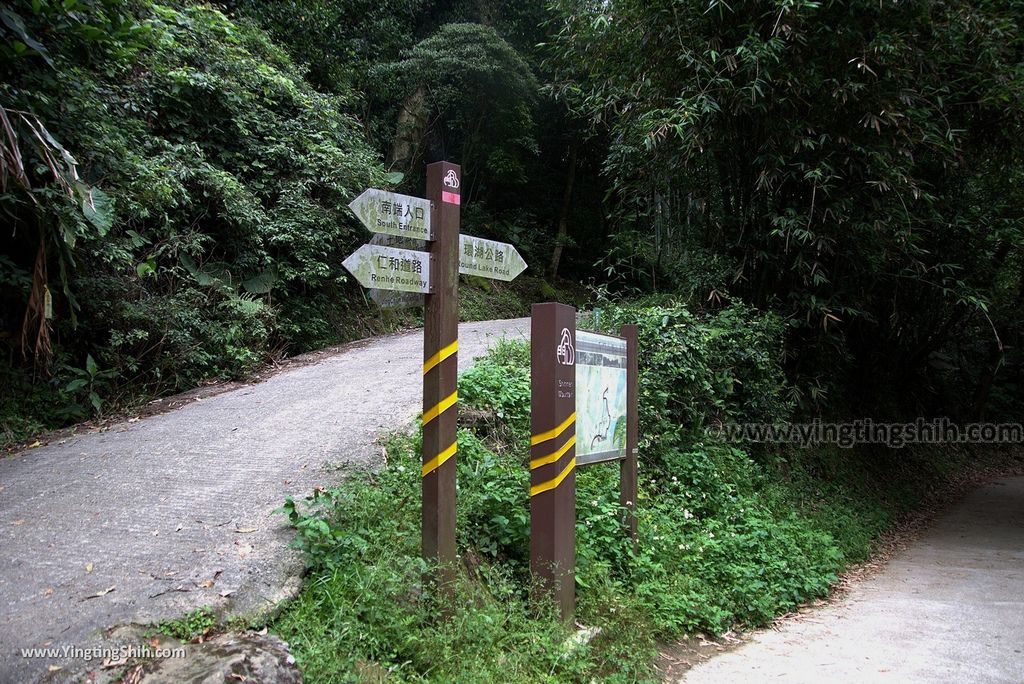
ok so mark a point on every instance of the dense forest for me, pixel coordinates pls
(175, 179)
(810, 209)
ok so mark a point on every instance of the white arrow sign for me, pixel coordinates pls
(393, 214)
(489, 259)
(392, 299)
(390, 268)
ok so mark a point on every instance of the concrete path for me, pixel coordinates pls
(948, 609)
(148, 520)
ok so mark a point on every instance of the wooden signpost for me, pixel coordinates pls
(553, 454)
(584, 385)
(440, 369)
(584, 401)
(627, 466)
(396, 267)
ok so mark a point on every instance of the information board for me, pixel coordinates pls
(601, 373)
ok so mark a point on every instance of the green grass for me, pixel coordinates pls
(726, 539)
(482, 299)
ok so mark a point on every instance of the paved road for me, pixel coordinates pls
(172, 513)
(948, 609)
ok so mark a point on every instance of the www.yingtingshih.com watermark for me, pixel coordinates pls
(866, 431)
(106, 654)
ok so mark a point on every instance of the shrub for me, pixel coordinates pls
(219, 233)
(724, 539)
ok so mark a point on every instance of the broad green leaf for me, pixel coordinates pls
(98, 208)
(75, 385)
(15, 23)
(262, 283)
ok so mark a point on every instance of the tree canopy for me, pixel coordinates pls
(853, 165)
(176, 175)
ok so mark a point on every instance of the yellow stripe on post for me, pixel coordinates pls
(552, 457)
(440, 356)
(441, 407)
(554, 432)
(552, 484)
(438, 461)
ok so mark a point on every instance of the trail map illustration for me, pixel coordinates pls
(600, 397)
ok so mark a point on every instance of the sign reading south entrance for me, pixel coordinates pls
(601, 373)
(393, 214)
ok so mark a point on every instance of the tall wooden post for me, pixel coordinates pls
(440, 369)
(627, 467)
(553, 455)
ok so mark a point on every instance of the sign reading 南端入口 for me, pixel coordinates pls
(393, 214)
(390, 268)
(601, 373)
(489, 258)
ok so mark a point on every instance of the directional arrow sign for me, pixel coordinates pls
(393, 214)
(489, 259)
(392, 299)
(390, 268)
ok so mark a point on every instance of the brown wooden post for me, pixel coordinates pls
(553, 455)
(440, 369)
(627, 467)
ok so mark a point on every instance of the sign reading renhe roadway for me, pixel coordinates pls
(390, 268)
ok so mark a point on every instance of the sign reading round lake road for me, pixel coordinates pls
(393, 214)
(390, 268)
(489, 259)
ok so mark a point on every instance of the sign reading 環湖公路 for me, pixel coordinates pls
(601, 374)
(489, 258)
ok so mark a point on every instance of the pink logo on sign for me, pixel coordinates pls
(450, 197)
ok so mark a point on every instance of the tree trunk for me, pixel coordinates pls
(412, 126)
(563, 216)
(35, 329)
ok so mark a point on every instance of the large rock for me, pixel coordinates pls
(228, 659)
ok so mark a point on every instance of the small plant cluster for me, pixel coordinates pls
(189, 626)
(726, 538)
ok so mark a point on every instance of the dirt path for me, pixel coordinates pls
(949, 608)
(148, 520)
